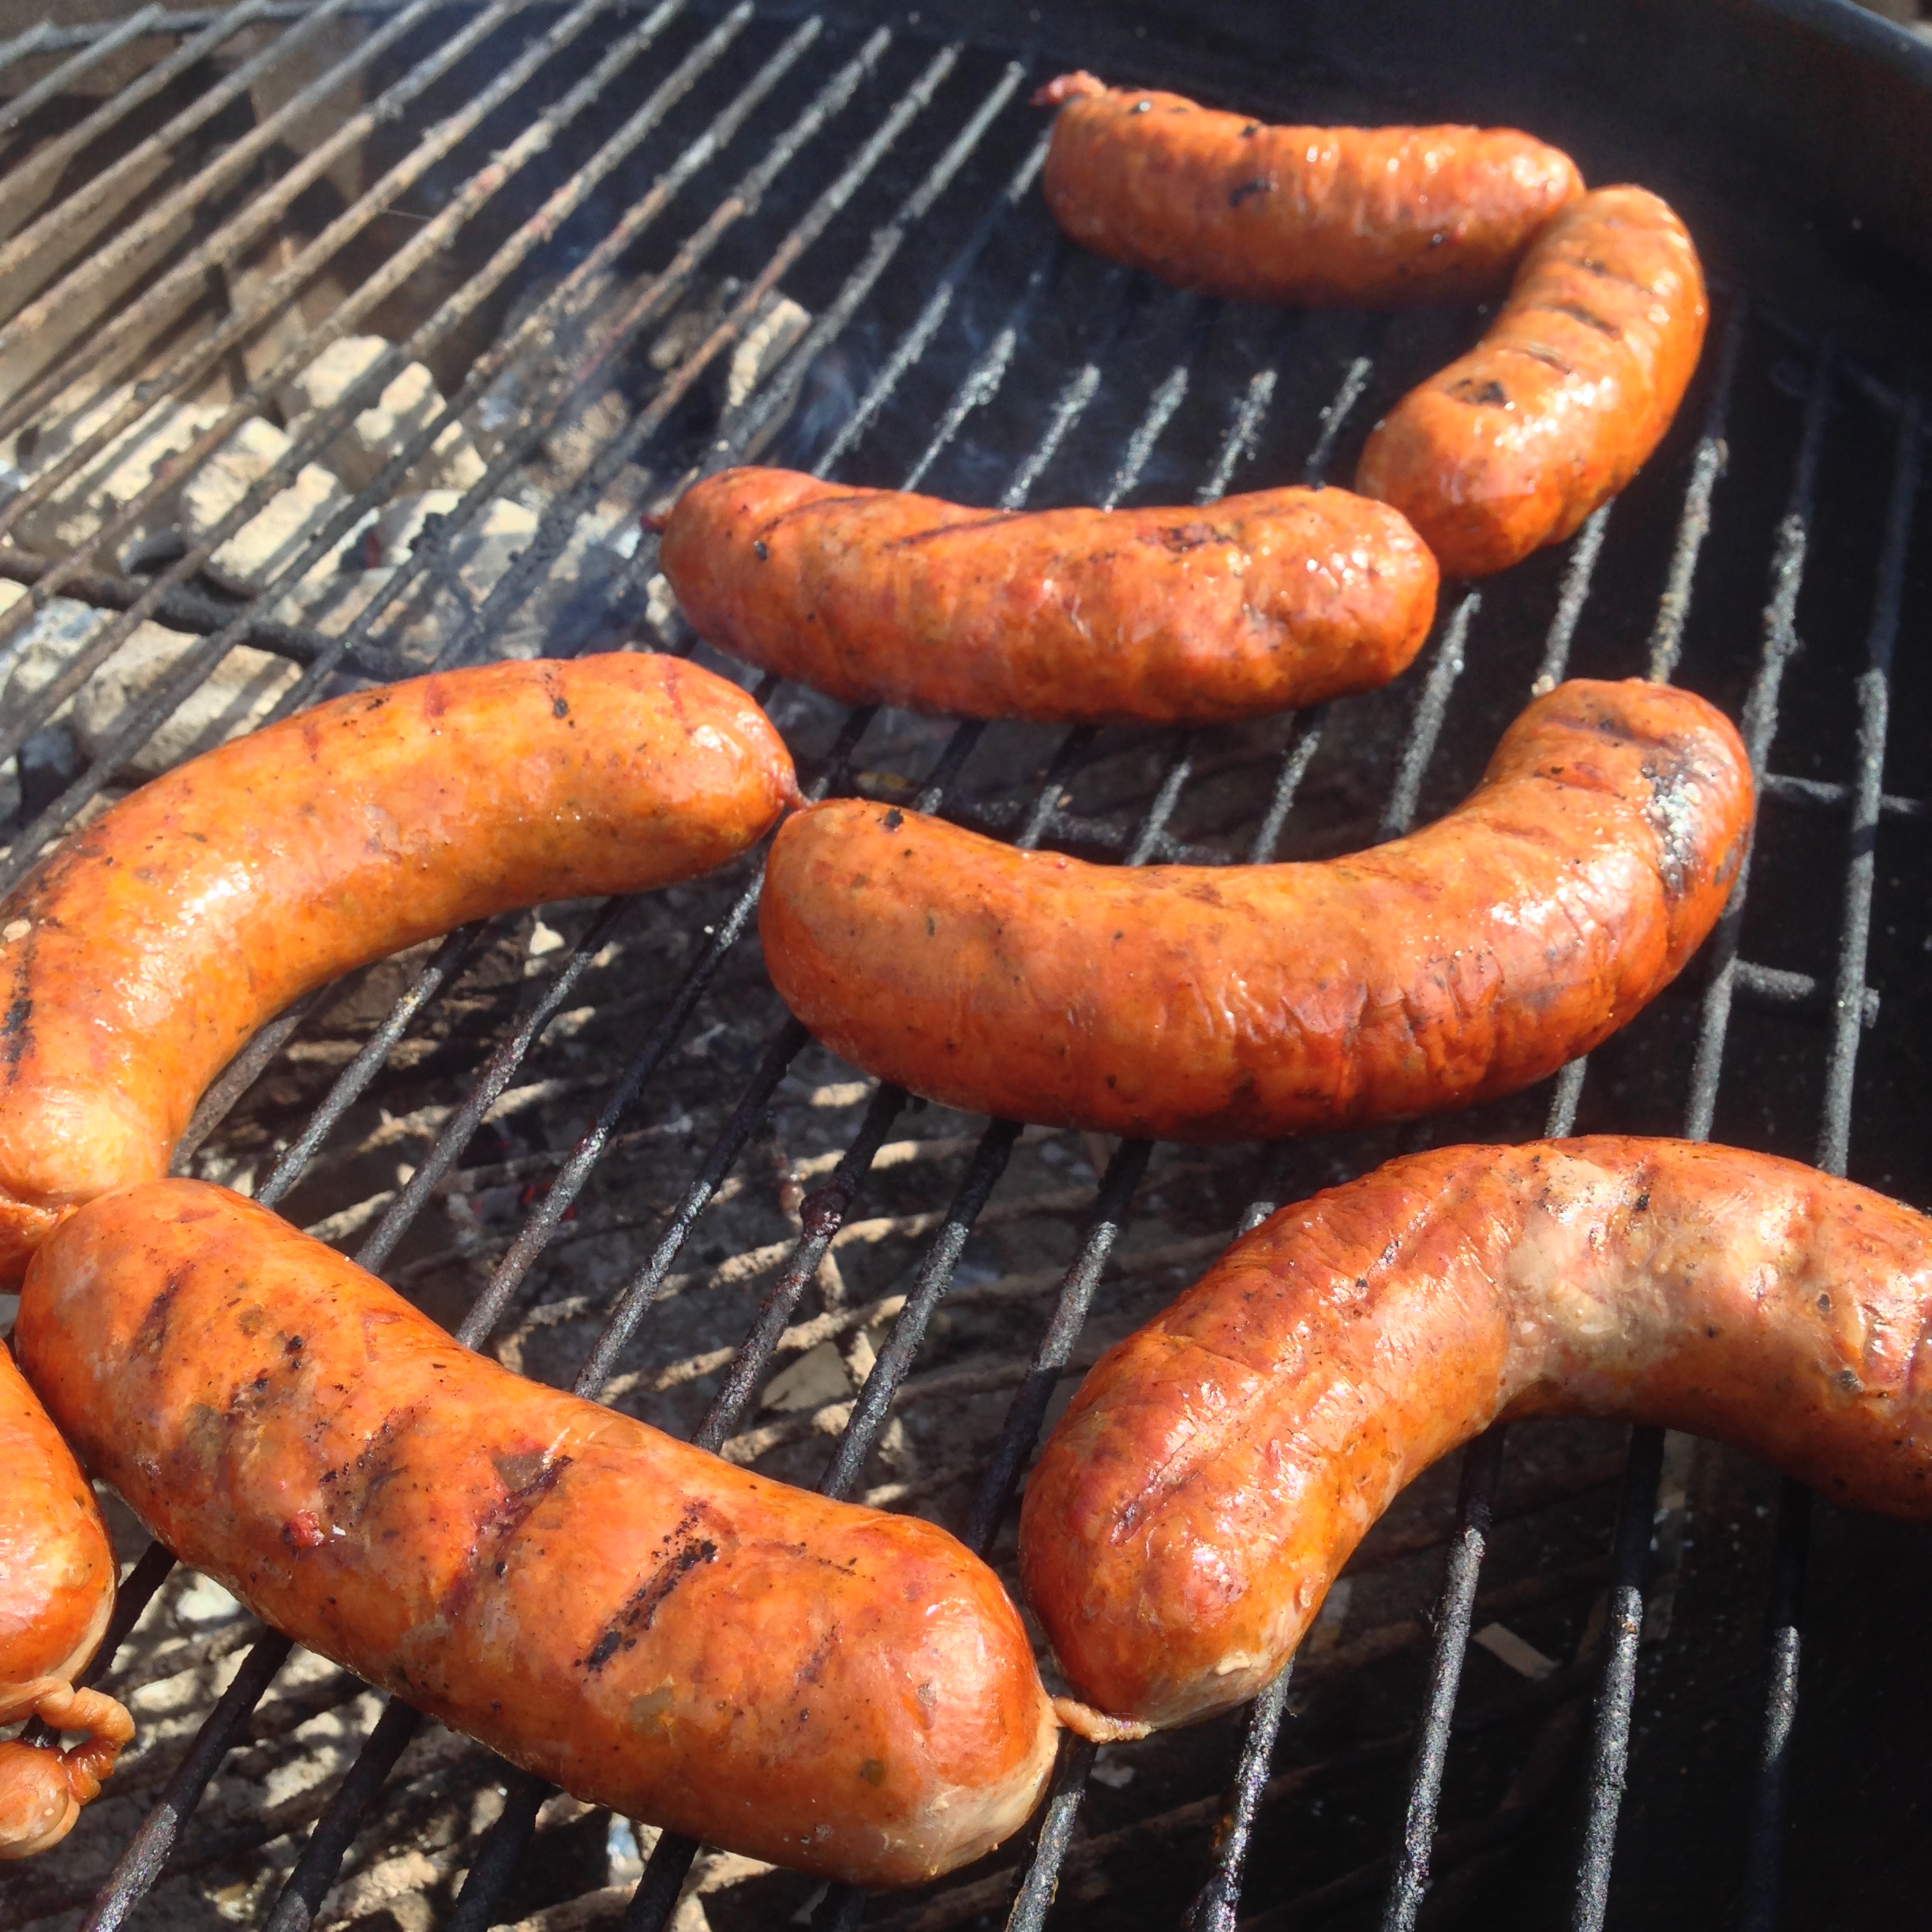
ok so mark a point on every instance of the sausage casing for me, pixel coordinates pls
(1215, 1471)
(833, 1689)
(1563, 399)
(137, 959)
(57, 1591)
(1315, 216)
(1230, 1003)
(1205, 615)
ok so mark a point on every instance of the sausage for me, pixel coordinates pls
(1315, 216)
(1562, 402)
(1215, 1471)
(154, 943)
(833, 1689)
(1238, 1002)
(1282, 597)
(57, 1591)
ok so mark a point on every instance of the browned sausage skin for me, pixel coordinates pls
(833, 1689)
(137, 960)
(1215, 1470)
(1239, 1002)
(56, 1590)
(1204, 615)
(1563, 399)
(1361, 217)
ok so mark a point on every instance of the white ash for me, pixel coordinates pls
(235, 696)
(406, 403)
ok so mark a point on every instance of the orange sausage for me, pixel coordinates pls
(1215, 1471)
(1363, 217)
(1200, 617)
(56, 1590)
(1561, 404)
(1239, 1002)
(150, 945)
(836, 1690)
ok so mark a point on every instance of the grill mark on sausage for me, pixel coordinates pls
(1577, 313)
(527, 1480)
(685, 1552)
(152, 1336)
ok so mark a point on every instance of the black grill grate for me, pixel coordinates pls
(895, 179)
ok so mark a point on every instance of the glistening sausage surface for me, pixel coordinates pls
(1563, 399)
(1215, 1470)
(1364, 217)
(158, 938)
(1239, 1002)
(1204, 615)
(57, 1591)
(833, 1689)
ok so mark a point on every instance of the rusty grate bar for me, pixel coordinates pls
(185, 281)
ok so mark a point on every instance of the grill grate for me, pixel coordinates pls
(1012, 368)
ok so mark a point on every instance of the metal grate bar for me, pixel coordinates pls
(657, 1891)
(911, 346)
(989, 369)
(1445, 667)
(1214, 1905)
(553, 529)
(1609, 1746)
(1758, 1910)
(777, 394)
(1706, 467)
(68, 213)
(670, 1860)
(188, 279)
(1759, 722)
(475, 192)
(1610, 1736)
(560, 302)
(1354, 381)
(57, 223)
(147, 1853)
(58, 80)
(1482, 1463)
(1578, 573)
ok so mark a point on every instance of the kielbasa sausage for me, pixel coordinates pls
(1215, 1470)
(1315, 216)
(159, 937)
(1563, 399)
(842, 1691)
(1239, 1002)
(1196, 617)
(57, 1591)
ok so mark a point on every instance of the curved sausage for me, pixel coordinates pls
(1238, 1002)
(57, 1591)
(1215, 1470)
(1207, 616)
(1562, 402)
(137, 959)
(836, 1690)
(1362, 217)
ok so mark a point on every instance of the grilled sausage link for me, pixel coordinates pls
(1231, 1003)
(837, 1689)
(1215, 1471)
(1102, 616)
(1562, 402)
(1363, 217)
(155, 941)
(56, 1590)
